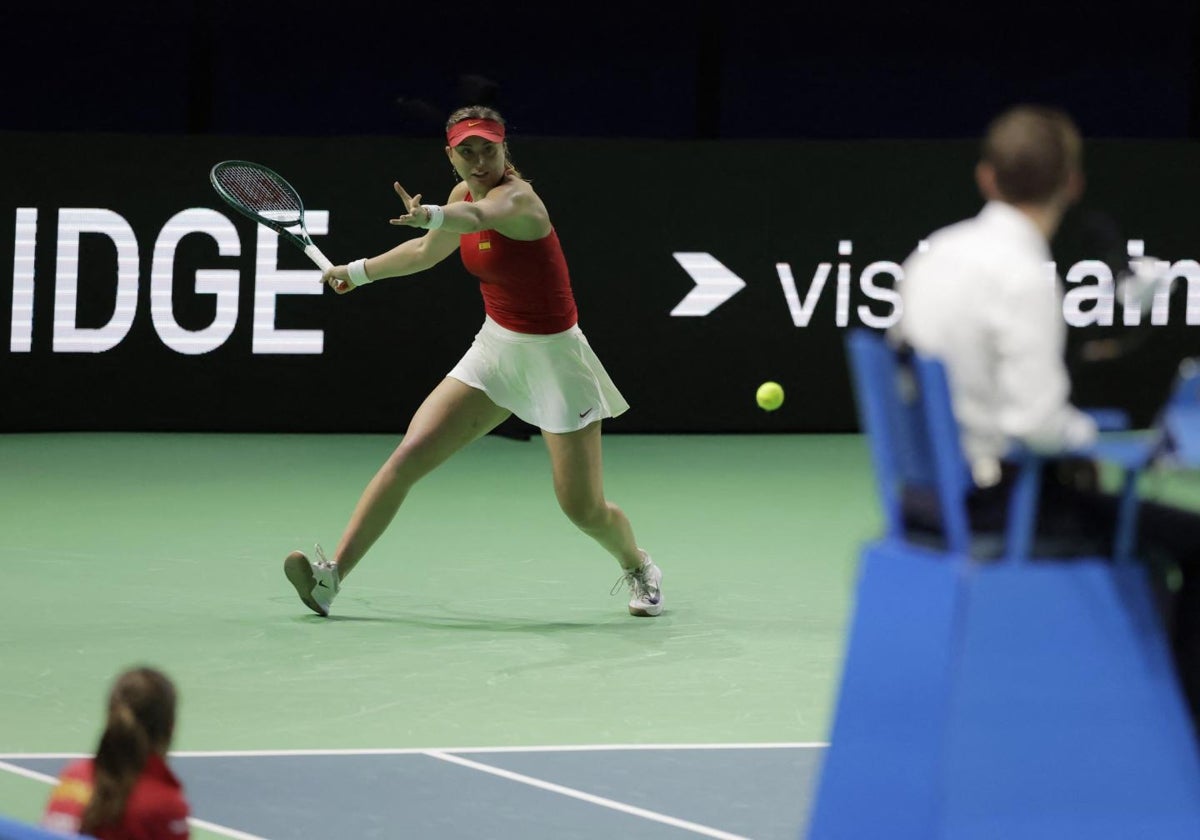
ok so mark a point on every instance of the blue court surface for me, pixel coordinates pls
(722, 791)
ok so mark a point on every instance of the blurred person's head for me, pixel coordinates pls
(141, 721)
(1032, 158)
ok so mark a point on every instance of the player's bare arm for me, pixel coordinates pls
(511, 208)
(409, 257)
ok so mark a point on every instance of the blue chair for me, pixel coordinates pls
(1180, 418)
(989, 690)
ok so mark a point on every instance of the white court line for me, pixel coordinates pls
(28, 774)
(198, 823)
(796, 745)
(586, 797)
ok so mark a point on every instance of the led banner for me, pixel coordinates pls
(137, 300)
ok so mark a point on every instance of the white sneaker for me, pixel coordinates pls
(645, 588)
(316, 583)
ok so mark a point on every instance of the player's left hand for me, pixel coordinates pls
(415, 215)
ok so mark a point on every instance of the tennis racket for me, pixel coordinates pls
(263, 195)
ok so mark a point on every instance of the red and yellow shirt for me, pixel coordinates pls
(156, 809)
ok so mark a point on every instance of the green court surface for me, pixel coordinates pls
(482, 618)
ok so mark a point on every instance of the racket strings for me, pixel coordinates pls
(261, 194)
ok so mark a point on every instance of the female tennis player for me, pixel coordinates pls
(529, 359)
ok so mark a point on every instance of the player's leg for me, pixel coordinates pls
(577, 464)
(451, 417)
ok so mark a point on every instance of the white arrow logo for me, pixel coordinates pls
(715, 284)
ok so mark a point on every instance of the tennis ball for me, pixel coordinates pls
(769, 396)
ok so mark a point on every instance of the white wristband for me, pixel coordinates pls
(358, 272)
(436, 216)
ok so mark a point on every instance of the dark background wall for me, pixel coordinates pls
(654, 69)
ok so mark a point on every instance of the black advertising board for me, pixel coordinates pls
(133, 299)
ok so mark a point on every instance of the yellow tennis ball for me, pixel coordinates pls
(769, 396)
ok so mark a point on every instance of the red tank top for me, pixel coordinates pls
(525, 285)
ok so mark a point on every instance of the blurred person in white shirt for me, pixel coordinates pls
(984, 296)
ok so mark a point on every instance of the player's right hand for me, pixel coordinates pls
(338, 279)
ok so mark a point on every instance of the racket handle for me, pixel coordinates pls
(314, 254)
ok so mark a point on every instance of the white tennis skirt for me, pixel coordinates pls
(555, 382)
